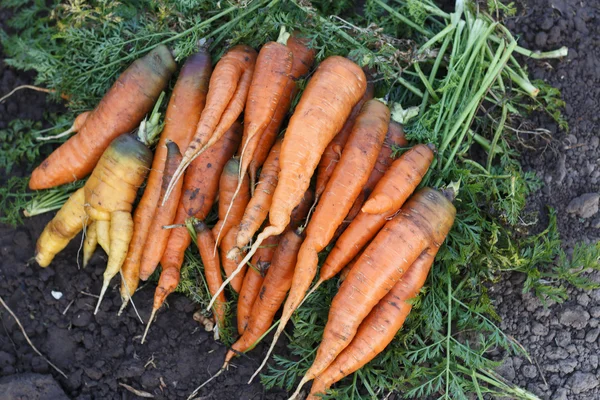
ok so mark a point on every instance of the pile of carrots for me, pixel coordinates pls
(273, 218)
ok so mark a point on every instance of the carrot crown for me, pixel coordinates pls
(151, 127)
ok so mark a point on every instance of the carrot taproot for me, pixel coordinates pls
(379, 328)
(333, 151)
(351, 173)
(271, 74)
(122, 108)
(181, 118)
(90, 243)
(75, 127)
(164, 215)
(258, 207)
(201, 180)
(401, 179)
(302, 60)
(228, 201)
(337, 85)
(253, 280)
(423, 223)
(227, 92)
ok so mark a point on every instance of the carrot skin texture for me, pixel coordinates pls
(302, 61)
(258, 206)
(212, 268)
(201, 180)
(227, 187)
(379, 328)
(229, 265)
(401, 179)
(333, 151)
(138, 89)
(423, 223)
(181, 118)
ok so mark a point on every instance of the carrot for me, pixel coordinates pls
(122, 108)
(337, 85)
(228, 201)
(302, 60)
(253, 280)
(229, 265)
(351, 173)
(258, 207)
(181, 118)
(272, 69)
(398, 183)
(212, 269)
(90, 243)
(201, 180)
(164, 215)
(227, 92)
(423, 224)
(333, 151)
(379, 327)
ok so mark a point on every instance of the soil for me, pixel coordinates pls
(100, 352)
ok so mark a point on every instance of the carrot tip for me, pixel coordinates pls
(102, 292)
(149, 323)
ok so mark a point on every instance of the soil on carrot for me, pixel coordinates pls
(100, 352)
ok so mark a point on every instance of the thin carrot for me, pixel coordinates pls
(333, 151)
(423, 223)
(337, 85)
(398, 183)
(164, 215)
(379, 327)
(227, 92)
(181, 118)
(253, 280)
(236, 205)
(346, 182)
(258, 207)
(120, 111)
(302, 61)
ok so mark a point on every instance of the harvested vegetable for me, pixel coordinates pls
(230, 264)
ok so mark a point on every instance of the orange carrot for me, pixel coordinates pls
(379, 327)
(164, 215)
(337, 85)
(424, 222)
(229, 265)
(333, 152)
(398, 183)
(346, 182)
(187, 101)
(227, 92)
(253, 281)
(228, 201)
(201, 180)
(258, 207)
(122, 108)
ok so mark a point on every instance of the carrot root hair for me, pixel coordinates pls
(154, 310)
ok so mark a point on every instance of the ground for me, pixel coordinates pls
(98, 352)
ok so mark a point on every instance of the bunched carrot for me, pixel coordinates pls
(346, 182)
(122, 108)
(337, 85)
(227, 92)
(181, 118)
(229, 264)
(423, 223)
(379, 328)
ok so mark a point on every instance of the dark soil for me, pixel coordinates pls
(100, 351)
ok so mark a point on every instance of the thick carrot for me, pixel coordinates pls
(212, 269)
(227, 92)
(201, 181)
(253, 280)
(164, 215)
(398, 183)
(423, 223)
(337, 85)
(333, 151)
(228, 201)
(272, 293)
(346, 182)
(258, 207)
(379, 327)
(302, 61)
(230, 264)
(120, 111)
(183, 113)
